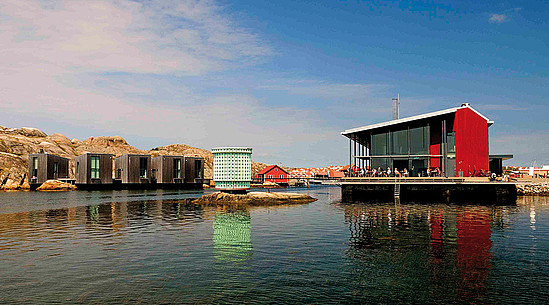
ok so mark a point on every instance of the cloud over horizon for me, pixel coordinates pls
(498, 18)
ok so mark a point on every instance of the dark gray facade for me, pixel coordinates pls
(133, 168)
(168, 169)
(93, 168)
(194, 170)
(43, 167)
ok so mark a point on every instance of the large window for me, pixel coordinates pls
(143, 166)
(198, 169)
(177, 168)
(379, 144)
(35, 166)
(94, 169)
(419, 140)
(400, 142)
(451, 140)
(382, 163)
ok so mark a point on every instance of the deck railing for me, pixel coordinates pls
(404, 180)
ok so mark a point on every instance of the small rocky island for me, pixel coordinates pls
(252, 198)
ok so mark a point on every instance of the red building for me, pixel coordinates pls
(272, 173)
(453, 141)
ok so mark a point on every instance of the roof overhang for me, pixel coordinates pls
(502, 157)
(429, 115)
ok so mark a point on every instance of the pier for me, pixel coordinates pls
(440, 189)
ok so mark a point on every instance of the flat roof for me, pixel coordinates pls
(413, 118)
(503, 157)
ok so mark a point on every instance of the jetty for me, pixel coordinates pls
(427, 189)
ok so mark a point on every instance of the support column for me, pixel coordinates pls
(444, 149)
(350, 155)
(354, 150)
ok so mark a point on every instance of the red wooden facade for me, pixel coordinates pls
(273, 173)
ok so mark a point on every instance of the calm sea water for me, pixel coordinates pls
(147, 247)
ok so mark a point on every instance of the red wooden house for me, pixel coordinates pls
(272, 173)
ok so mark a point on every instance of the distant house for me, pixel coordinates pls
(43, 167)
(93, 168)
(194, 170)
(273, 173)
(336, 174)
(168, 169)
(133, 169)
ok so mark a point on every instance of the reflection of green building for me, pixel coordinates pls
(232, 235)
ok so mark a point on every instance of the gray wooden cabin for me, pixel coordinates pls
(133, 169)
(43, 167)
(92, 168)
(168, 169)
(194, 170)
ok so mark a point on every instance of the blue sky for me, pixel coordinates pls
(284, 77)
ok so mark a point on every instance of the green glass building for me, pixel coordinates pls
(232, 167)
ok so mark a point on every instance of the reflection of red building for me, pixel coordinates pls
(273, 173)
(473, 252)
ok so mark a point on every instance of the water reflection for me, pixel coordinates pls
(431, 250)
(232, 235)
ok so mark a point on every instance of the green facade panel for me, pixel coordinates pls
(232, 167)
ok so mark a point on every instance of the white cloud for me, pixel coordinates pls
(158, 36)
(503, 16)
(94, 65)
(497, 18)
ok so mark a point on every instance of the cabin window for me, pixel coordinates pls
(143, 168)
(276, 169)
(271, 176)
(94, 167)
(35, 166)
(281, 176)
(119, 173)
(55, 169)
(77, 167)
(198, 168)
(177, 168)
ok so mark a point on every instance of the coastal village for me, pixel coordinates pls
(30, 159)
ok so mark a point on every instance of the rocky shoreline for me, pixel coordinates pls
(252, 198)
(533, 189)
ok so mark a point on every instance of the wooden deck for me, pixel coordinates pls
(417, 180)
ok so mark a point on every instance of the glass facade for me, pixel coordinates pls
(419, 140)
(414, 143)
(399, 140)
(379, 144)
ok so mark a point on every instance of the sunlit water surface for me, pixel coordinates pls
(148, 247)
